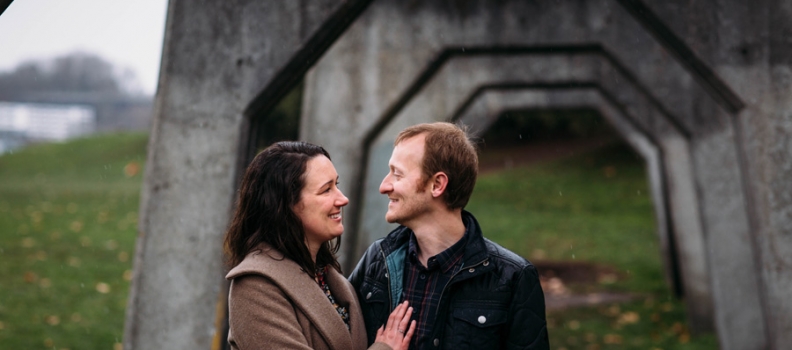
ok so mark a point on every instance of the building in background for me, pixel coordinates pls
(21, 123)
(62, 116)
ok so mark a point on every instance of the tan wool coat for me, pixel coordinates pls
(273, 304)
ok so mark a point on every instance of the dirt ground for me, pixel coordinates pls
(574, 283)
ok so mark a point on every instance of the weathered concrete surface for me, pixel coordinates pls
(217, 56)
(377, 68)
(747, 44)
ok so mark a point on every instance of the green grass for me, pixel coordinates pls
(591, 208)
(68, 218)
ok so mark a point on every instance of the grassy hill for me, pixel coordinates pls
(68, 216)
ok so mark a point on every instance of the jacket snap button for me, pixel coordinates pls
(368, 296)
(436, 342)
(486, 263)
(471, 270)
(386, 275)
(482, 319)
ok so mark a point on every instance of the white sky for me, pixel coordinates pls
(127, 33)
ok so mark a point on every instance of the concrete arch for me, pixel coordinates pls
(690, 249)
(484, 106)
(464, 73)
(396, 47)
(490, 101)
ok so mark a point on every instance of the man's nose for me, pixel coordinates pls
(385, 186)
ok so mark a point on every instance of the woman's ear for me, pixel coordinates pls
(439, 184)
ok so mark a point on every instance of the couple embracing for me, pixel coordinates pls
(432, 283)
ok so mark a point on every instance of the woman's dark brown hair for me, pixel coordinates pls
(270, 189)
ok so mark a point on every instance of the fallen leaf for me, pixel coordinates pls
(574, 324)
(30, 277)
(103, 288)
(629, 317)
(76, 226)
(131, 169)
(612, 339)
(28, 242)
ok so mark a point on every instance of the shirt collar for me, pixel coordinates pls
(444, 260)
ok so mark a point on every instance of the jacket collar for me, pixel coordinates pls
(475, 249)
(306, 295)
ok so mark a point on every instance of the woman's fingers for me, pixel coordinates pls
(408, 335)
(405, 320)
(396, 316)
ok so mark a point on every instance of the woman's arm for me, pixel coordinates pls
(260, 315)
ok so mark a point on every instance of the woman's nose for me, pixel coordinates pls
(342, 200)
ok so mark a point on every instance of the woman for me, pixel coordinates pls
(287, 291)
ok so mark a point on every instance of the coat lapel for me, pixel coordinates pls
(304, 292)
(345, 295)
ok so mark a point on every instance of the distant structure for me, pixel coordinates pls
(701, 89)
(113, 111)
(35, 122)
(58, 117)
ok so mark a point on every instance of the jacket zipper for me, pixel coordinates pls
(437, 312)
(387, 273)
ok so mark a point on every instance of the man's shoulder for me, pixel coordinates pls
(505, 256)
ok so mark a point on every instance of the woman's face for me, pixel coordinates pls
(320, 203)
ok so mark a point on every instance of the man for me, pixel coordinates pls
(467, 292)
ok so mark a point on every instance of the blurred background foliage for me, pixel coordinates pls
(73, 73)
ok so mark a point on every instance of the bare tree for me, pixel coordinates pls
(73, 73)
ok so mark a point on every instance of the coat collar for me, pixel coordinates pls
(306, 295)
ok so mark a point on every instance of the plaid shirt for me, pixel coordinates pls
(424, 285)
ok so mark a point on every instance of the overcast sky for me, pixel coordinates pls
(126, 33)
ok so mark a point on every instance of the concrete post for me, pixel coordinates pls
(219, 58)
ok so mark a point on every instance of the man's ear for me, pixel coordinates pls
(439, 184)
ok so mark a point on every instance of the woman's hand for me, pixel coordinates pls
(395, 332)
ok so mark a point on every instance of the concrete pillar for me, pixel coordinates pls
(218, 56)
